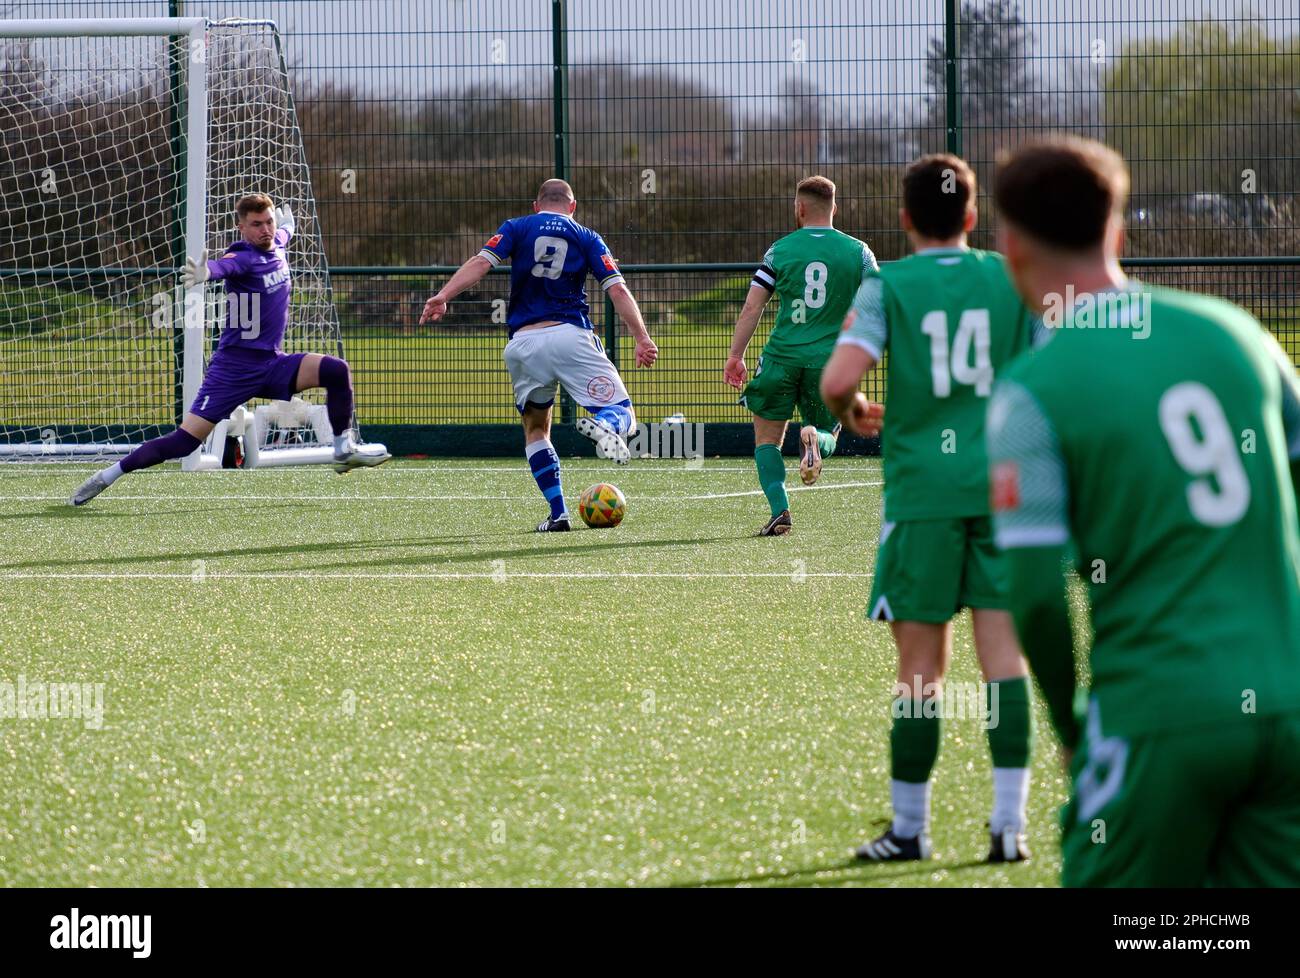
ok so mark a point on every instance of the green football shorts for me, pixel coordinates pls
(1207, 806)
(778, 389)
(928, 570)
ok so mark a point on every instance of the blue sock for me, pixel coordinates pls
(617, 416)
(546, 470)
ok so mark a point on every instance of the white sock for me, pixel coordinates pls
(342, 443)
(112, 473)
(911, 808)
(1010, 796)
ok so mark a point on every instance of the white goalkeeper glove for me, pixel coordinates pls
(196, 270)
(284, 218)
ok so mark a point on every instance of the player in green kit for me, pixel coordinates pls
(1150, 439)
(950, 320)
(815, 270)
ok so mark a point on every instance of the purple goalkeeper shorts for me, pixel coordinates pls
(237, 375)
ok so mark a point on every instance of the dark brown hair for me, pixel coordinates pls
(252, 204)
(938, 190)
(1062, 190)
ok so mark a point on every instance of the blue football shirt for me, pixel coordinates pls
(550, 255)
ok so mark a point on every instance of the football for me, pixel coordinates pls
(602, 505)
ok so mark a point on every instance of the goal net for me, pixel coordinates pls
(125, 145)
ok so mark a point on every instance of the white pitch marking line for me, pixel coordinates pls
(759, 492)
(39, 471)
(368, 497)
(454, 467)
(488, 575)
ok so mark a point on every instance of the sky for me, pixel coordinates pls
(871, 52)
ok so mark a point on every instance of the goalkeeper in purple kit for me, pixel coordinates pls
(248, 361)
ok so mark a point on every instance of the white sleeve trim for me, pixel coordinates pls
(613, 280)
(1016, 537)
(1040, 334)
(848, 339)
(493, 260)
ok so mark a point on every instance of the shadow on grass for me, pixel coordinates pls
(477, 557)
(342, 547)
(848, 871)
(63, 511)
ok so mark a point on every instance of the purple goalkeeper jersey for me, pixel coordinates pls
(257, 294)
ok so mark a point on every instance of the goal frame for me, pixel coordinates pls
(189, 309)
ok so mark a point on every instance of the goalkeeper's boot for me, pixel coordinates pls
(810, 457)
(778, 526)
(555, 524)
(890, 848)
(1008, 846)
(356, 456)
(88, 490)
(609, 443)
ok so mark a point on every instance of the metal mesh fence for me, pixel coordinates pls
(412, 375)
(454, 374)
(685, 126)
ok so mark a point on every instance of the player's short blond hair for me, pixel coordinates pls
(252, 204)
(817, 191)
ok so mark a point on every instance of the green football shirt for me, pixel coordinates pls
(950, 320)
(815, 271)
(1154, 433)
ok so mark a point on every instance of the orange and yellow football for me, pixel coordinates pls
(602, 505)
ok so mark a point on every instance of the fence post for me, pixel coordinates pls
(952, 79)
(611, 331)
(560, 123)
(560, 85)
(178, 49)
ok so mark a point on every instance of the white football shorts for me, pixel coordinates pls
(569, 355)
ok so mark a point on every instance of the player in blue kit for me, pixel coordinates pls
(248, 361)
(551, 337)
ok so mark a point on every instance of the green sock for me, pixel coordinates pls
(914, 740)
(825, 443)
(1011, 740)
(771, 476)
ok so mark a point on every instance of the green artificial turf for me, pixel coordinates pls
(385, 678)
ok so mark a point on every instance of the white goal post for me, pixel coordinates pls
(127, 142)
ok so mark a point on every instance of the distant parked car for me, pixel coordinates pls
(1226, 211)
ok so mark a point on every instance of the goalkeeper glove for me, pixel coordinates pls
(196, 270)
(284, 218)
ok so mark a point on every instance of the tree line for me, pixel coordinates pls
(671, 171)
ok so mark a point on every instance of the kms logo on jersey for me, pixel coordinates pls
(272, 281)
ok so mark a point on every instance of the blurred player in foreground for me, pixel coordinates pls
(1150, 440)
(551, 336)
